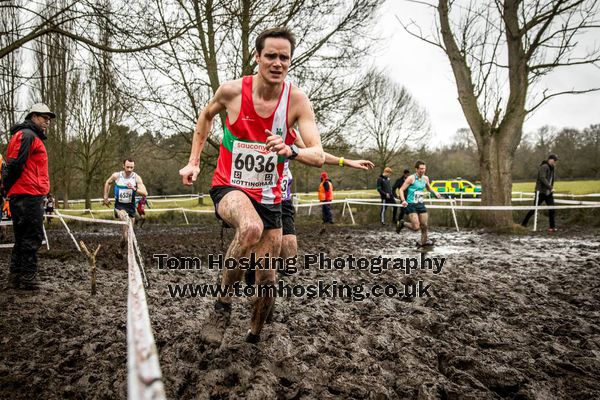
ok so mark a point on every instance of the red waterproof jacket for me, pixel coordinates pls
(26, 169)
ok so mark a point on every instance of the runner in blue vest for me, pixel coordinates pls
(414, 203)
(128, 184)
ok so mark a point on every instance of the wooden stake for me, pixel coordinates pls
(92, 261)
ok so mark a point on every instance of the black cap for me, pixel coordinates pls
(553, 157)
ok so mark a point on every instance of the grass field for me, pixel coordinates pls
(568, 187)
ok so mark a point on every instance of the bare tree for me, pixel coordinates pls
(97, 116)
(498, 51)
(132, 24)
(53, 85)
(179, 78)
(10, 72)
(391, 119)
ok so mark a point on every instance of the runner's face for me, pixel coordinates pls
(421, 170)
(128, 167)
(274, 60)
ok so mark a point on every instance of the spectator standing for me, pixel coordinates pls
(26, 182)
(326, 195)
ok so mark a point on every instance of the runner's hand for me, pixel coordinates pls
(189, 174)
(275, 144)
(439, 196)
(404, 203)
(359, 164)
(106, 201)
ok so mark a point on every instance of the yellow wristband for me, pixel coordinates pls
(341, 162)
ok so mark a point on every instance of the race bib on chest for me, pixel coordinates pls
(125, 195)
(253, 166)
(419, 196)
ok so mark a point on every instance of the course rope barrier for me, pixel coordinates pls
(59, 216)
(144, 378)
(144, 374)
(139, 254)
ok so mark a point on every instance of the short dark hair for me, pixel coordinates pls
(419, 163)
(128, 159)
(279, 32)
(406, 171)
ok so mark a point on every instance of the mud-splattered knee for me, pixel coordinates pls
(249, 234)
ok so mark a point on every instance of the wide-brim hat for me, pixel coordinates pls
(40, 108)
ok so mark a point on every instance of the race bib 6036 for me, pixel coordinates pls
(253, 166)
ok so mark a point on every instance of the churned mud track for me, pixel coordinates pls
(510, 317)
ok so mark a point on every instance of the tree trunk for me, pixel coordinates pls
(65, 197)
(88, 197)
(496, 156)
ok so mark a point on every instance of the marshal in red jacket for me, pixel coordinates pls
(27, 162)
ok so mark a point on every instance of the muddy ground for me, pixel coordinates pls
(513, 317)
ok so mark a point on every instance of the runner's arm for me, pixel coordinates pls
(431, 189)
(218, 103)
(312, 154)
(141, 188)
(330, 159)
(409, 181)
(107, 184)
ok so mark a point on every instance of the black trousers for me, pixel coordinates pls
(28, 219)
(549, 200)
(327, 215)
(390, 200)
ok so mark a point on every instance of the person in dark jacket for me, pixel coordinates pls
(26, 182)
(384, 187)
(397, 185)
(544, 187)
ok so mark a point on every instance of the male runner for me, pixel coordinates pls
(246, 186)
(128, 184)
(142, 203)
(49, 206)
(289, 243)
(415, 208)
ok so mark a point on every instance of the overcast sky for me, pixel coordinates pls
(425, 70)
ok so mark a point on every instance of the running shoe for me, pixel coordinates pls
(252, 338)
(218, 321)
(399, 226)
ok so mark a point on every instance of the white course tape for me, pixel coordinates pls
(139, 254)
(320, 203)
(175, 200)
(59, 215)
(495, 208)
(144, 377)
(84, 219)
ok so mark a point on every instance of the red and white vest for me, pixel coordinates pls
(243, 160)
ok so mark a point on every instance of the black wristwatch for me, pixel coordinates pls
(295, 152)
